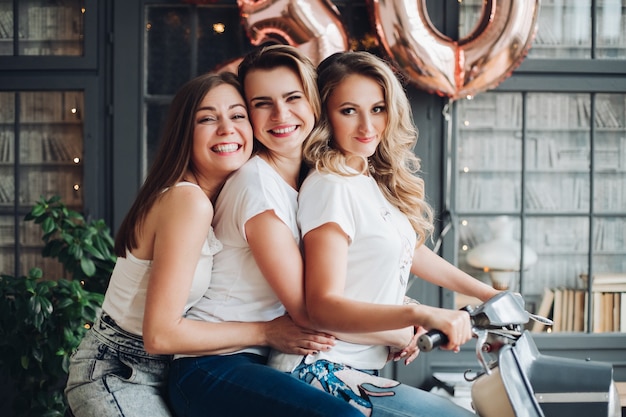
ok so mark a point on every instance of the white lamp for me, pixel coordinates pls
(501, 256)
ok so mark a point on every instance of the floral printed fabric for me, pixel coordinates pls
(346, 383)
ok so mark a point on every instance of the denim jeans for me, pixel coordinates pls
(111, 375)
(242, 385)
(376, 396)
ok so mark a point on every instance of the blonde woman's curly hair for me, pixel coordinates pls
(393, 165)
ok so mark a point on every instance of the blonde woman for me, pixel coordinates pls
(364, 221)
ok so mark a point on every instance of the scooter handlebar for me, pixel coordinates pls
(431, 340)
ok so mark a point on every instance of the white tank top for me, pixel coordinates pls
(125, 297)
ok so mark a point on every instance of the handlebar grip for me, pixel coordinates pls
(431, 340)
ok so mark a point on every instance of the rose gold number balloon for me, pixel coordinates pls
(312, 26)
(474, 63)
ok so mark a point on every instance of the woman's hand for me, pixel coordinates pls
(284, 335)
(455, 324)
(410, 351)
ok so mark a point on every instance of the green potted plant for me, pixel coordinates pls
(85, 248)
(42, 321)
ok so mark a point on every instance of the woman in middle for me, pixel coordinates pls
(258, 275)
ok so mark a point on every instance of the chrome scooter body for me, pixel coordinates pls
(516, 380)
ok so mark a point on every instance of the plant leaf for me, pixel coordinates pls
(87, 266)
(48, 225)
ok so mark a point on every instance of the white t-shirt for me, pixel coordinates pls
(380, 252)
(125, 298)
(239, 291)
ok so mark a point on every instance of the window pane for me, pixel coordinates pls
(221, 38)
(611, 29)
(168, 49)
(610, 154)
(41, 155)
(51, 28)
(564, 30)
(558, 146)
(6, 27)
(51, 147)
(489, 153)
(7, 183)
(562, 245)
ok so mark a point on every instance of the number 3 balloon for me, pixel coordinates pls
(313, 26)
(474, 63)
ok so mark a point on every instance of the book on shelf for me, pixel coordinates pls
(557, 310)
(622, 315)
(607, 312)
(609, 301)
(7, 189)
(617, 307)
(568, 308)
(6, 146)
(571, 306)
(580, 311)
(598, 312)
(606, 282)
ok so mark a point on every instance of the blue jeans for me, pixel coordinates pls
(375, 396)
(242, 385)
(111, 375)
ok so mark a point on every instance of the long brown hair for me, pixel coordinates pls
(173, 157)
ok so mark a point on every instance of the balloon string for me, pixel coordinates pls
(447, 118)
(446, 215)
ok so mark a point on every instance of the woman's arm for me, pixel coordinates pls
(180, 223)
(280, 260)
(326, 253)
(434, 269)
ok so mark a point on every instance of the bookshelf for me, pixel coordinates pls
(542, 172)
(43, 28)
(47, 90)
(547, 149)
(566, 30)
(41, 153)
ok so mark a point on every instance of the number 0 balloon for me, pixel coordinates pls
(474, 63)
